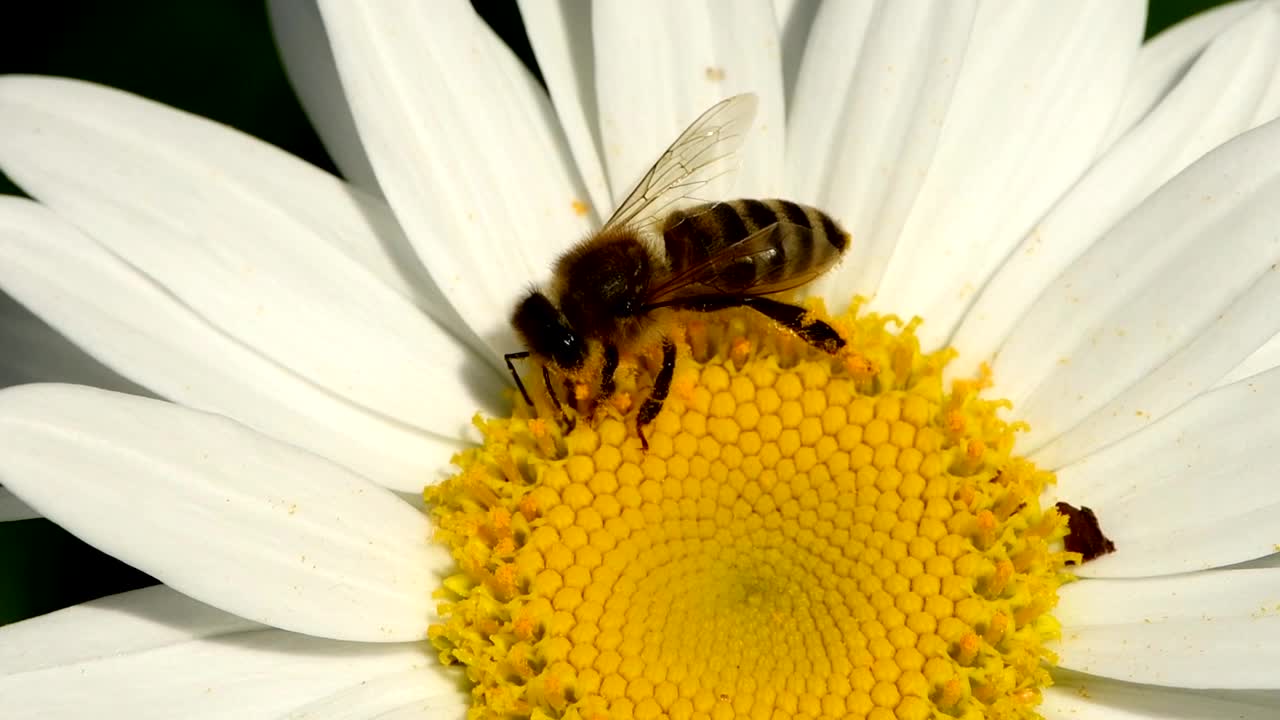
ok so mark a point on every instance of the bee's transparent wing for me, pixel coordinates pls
(702, 153)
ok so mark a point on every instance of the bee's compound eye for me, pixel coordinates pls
(570, 351)
(547, 333)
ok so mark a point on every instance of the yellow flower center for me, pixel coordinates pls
(807, 537)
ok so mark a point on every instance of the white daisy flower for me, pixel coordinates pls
(1092, 218)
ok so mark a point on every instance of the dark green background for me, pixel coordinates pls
(216, 59)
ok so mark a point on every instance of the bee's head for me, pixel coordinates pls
(547, 333)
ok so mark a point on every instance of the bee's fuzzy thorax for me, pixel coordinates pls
(601, 283)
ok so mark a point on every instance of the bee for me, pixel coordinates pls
(663, 251)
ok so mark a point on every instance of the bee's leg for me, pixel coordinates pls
(571, 393)
(565, 422)
(516, 376)
(661, 386)
(608, 379)
(796, 319)
(793, 317)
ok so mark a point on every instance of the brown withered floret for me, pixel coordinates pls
(1084, 534)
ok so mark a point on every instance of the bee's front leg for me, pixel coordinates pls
(565, 421)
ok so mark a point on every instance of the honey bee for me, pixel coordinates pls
(663, 250)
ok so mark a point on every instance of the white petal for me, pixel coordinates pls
(1259, 361)
(466, 148)
(1267, 356)
(11, 508)
(1212, 103)
(36, 352)
(815, 112)
(1037, 92)
(236, 230)
(863, 136)
(560, 34)
(1266, 561)
(1201, 480)
(106, 306)
(784, 9)
(435, 709)
(659, 65)
(1269, 699)
(156, 654)
(1269, 107)
(1135, 328)
(412, 695)
(1205, 630)
(1164, 60)
(1084, 697)
(221, 513)
(794, 19)
(135, 621)
(304, 49)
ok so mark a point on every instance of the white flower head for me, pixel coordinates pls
(1090, 218)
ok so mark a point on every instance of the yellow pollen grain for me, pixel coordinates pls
(808, 536)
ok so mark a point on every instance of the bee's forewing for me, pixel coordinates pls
(706, 150)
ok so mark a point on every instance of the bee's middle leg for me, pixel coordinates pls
(658, 395)
(565, 421)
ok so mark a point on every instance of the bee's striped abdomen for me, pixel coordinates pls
(692, 236)
(805, 240)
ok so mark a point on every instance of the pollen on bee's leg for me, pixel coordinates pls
(684, 384)
(581, 392)
(739, 351)
(610, 580)
(699, 344)
(621, 401)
